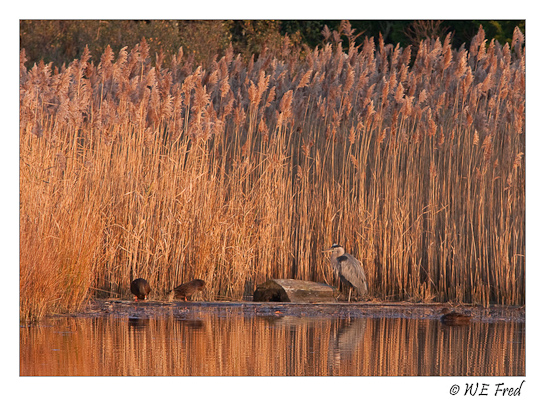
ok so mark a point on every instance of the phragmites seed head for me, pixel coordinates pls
(285, 102)
(487, 147)
(352, 136)
(432, 127)
(224, 87)
(304, 79)
(475, 138)
(518, 159)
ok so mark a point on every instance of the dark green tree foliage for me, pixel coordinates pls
(62, 41)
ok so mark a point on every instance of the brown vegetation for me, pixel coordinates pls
(245, 171)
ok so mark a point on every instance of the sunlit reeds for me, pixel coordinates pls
(237, 172)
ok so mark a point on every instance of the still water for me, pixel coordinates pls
(238, 345)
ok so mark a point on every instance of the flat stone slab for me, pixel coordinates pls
(295, 291)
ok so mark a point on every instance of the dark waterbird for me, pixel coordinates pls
(453, 318)
(140, 288)
(186, 290)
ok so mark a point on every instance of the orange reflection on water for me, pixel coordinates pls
(209, 345)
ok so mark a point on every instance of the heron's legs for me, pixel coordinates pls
(349, 293)
(340, 291)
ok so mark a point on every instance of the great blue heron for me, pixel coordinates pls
(348, 270)
(140, 288)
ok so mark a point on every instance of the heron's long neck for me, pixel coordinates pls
(337, 252)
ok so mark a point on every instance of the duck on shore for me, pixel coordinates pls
(186, 290)
(140, 288)
(452, 318)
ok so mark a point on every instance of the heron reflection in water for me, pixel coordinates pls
(348, 270)
(346, 337)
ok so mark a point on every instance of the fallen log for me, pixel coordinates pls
(295, 291)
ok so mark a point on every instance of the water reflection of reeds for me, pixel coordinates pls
(209, 345)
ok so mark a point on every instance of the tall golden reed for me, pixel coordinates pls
(245, 171)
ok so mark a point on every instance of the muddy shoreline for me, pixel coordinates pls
(191, 309)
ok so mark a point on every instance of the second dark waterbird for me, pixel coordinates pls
(186, 290)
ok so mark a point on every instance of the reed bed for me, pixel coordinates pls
(238, 171)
